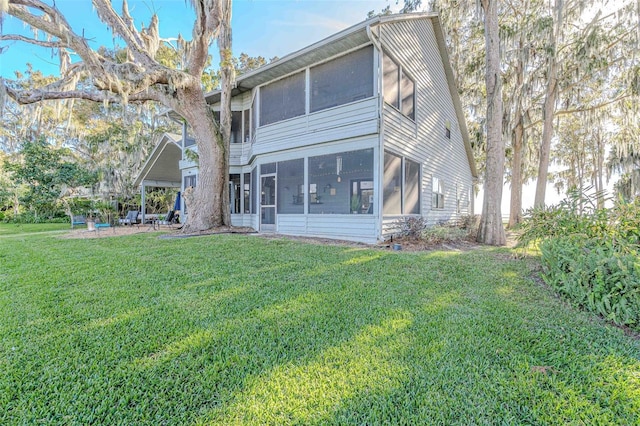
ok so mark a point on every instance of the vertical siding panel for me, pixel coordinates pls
(413, 44)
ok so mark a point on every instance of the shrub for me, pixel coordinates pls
(595, 275)
(625, 222)
(417, 228)
(577, 214)
(590, 254)
(411, 226)
(444, 232)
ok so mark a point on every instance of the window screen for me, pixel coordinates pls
(236, 126)
(392, 190)
(254, 116)
(282, 99)
(291, 186)
(341, 183)
(342, 80)
(234, 193)
(247, 126)
(247, 192)
(411, 187)
(254, 188)
(437, 201)
(399, 88)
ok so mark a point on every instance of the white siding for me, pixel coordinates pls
(413, 44)
(354, 227)
(242, 220)
(343, 122)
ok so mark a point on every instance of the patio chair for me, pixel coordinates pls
(131, 218)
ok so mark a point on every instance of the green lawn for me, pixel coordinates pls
(244, 330)
(21, 228)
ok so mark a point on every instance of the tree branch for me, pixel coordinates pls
(126, 30)
(43, 43)
(25, 97)
(126, 79)
(205, 28)
(582, 109)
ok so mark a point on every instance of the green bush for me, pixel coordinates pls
(625, 222)
(590, 254)
(577, 214)
(596, 275)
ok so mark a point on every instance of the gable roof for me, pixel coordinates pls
(165, 156)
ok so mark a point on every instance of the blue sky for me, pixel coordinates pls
(260, 27)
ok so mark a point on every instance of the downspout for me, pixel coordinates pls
(380, 179)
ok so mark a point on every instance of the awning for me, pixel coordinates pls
(162, 168)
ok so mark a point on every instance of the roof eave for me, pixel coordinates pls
(453, 90)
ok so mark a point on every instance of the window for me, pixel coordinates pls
(190, 181)
(247, 125)
(412, 185)
(401, 185)
(391, 78)
(399, 88)
(254, 188)
(236, 126)
(283, 99)
(407, 93)
(447, 129)
(254, 116)
(234, 193)
(437, 200)
(342, 80)
(291, 187)
(267, 168)
(246, 185)
(341, 183)
(362, 196)
(391, 186)
(237, 118)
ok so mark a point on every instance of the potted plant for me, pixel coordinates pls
(355, 204)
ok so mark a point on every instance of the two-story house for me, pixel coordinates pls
(343, 137)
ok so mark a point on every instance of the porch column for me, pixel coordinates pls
(184, 138)
(142, 201)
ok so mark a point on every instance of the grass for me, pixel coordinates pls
(22, 228)
(244, 330)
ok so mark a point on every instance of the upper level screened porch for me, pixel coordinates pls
(335, 99)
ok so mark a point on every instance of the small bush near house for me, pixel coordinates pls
(417, 228)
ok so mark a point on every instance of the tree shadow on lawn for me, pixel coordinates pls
(291, 338)
(170, 346)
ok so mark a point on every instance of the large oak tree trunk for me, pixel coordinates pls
(210, 200)
(491, 230)
(209, 204)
